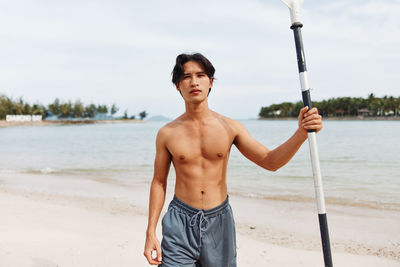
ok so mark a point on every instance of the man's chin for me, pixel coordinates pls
(196, 100)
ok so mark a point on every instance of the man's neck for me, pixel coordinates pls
(197, 111)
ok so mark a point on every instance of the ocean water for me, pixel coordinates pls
(360, 160)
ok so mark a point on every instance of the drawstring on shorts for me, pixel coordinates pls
(202, 219)
(199, 217)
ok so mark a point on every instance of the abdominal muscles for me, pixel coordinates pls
(201, 182)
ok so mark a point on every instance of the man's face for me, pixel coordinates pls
(195, 84)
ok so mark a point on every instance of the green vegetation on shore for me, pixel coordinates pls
(60, 110)
(339, 107)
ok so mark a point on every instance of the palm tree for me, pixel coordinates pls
(143, 114)
(78, 109)
(114, 109)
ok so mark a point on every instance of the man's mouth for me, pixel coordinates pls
(195, 91)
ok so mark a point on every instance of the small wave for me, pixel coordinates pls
(8, 171)
(73, 171)
(48, 170)
(29, 171)
(377, 205)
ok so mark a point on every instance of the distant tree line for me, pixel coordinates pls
(341, 106)
(59, 109)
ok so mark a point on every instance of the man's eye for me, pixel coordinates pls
(185, 77)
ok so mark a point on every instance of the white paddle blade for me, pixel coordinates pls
(294, 7)
(289, 3)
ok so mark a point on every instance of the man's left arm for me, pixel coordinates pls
(274, 159)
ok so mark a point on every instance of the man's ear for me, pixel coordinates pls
(211, 84)
(211, 81)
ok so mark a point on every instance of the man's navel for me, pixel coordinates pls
(202, 199)
(181, 157)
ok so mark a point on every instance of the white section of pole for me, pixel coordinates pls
(304, 81)
(294, 7)
(319, 192)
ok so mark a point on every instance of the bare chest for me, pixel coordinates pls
(211, 142)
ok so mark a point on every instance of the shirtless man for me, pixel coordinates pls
(198, 229)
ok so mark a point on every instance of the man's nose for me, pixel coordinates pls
(194, 81)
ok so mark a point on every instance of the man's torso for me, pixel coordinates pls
(200, 153)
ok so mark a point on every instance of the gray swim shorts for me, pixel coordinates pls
(198, 238)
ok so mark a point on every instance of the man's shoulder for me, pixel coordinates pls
(234, 124)
(164, 130)
(170, 127)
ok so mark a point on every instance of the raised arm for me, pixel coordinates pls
(162, 164)
(274, 159)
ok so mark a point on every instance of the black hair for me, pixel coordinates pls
(178, 72)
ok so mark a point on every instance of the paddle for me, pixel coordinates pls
(294, 7)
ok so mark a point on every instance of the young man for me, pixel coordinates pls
(198, 229)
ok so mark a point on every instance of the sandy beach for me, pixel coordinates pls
(66, 220)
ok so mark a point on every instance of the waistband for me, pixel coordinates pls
(191, 210)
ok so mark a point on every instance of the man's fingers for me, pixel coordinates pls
(312, 125)
(302, 112)
(306, 113)
(159, 255)
(312, 121)
(148, 255)
(311, 117)
(311, 112)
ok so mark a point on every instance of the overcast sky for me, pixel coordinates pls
(123, 52)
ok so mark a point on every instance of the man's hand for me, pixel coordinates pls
(152, 244)
(309, 120)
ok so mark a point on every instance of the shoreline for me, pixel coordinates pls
(4, 123)
(334, 201)
(344, 118)
(86, 221)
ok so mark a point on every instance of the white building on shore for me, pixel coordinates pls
(23, 118)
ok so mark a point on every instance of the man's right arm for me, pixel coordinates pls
(162, 164)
